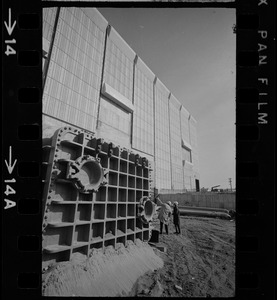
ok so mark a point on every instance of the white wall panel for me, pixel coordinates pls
(143, 120)
(185, 124)
(162, 142)
(193, 139)
(119, 60)
(75, 69)
(175, 143)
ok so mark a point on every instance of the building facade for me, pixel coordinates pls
(93, 80)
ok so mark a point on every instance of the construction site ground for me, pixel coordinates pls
(200, 262)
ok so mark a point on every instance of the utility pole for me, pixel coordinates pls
(230, 181)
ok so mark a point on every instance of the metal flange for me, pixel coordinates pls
(86, 173)
(146, 210)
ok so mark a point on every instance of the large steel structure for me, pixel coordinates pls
(96, 194)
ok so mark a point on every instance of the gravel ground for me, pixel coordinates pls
(200, 262)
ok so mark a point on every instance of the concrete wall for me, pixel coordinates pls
(214, 200)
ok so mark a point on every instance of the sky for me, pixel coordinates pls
(192, 51)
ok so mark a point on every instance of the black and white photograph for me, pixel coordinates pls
(139, 151)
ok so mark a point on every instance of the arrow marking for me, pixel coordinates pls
(10, 166)
(10, 26)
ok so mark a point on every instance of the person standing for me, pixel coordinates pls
(176, 217)
(164, 213)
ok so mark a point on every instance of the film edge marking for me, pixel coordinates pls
(262, 115)
(10, 27)
(9, 190)
(262, 2)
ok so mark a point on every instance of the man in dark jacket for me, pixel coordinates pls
(176, 217)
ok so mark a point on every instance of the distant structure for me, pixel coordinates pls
(94, 81)
(230, 182)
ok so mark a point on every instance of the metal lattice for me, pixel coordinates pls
(91, 193)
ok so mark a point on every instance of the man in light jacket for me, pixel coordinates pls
(164, 213)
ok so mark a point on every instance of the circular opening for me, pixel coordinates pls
(91, 174)
(148, 208)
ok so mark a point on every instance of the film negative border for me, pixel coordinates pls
(21, 147)
(254, 149)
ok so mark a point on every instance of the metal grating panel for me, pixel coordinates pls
(78, 220)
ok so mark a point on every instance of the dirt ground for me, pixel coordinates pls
(200, 262)
(106, 272)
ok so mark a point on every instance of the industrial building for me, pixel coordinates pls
(95, 81)
(112, 134)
